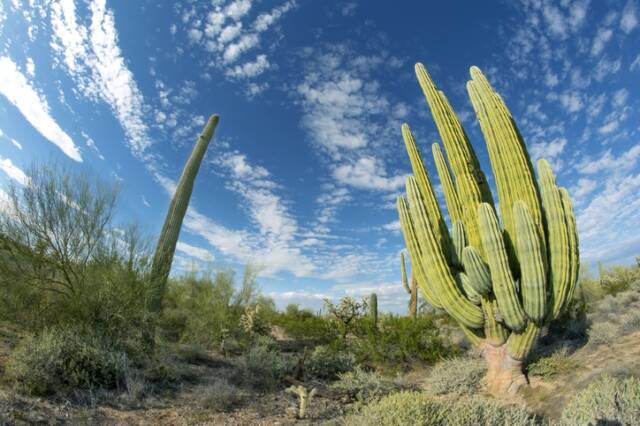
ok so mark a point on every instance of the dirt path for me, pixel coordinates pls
(548, 396)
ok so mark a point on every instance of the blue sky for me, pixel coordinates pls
(308, 159)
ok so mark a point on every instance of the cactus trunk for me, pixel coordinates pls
(411, 289)
(163, 256)
(501, 275)
(373, 308)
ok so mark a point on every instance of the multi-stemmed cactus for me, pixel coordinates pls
(412, 290)
(500, 283)
(163, 256)
(305, 396)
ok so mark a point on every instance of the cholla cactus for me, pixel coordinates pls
(168, 240)
(345, 312)
(251, 322)
(525, 270)
(305, 398)
(411, 290)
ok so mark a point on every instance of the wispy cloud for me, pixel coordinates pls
(92, 57)
(195, 252)
(13, 171)
(34, 107)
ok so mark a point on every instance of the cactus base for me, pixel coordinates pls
(504, 373)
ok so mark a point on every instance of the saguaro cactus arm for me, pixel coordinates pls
(168, 239)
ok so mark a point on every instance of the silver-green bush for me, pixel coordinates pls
(458, 376)
(60, 361)
(362, 386)
(607, 401)
(414, 408)
(558, 362)
(326, 362)
(263, 367)
(219, 396)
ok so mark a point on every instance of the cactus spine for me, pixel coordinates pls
(411, 289)
(501, 280)
(163, 256)
(373, 308)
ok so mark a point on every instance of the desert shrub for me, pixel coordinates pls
(206, 309)
(414, 408)
(326, 362)
(559, 362)
(398, 342)
(263, 367)
(304, 325)
(605, 401)
(362, 386)
(59, 361)
(462, 375)
(220, 396)
(630, 322)
(603, 333)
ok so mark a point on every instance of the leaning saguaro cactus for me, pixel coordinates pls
(168, 240)
(412, 290)
(500, 279)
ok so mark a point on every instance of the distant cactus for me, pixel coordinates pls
(501, 280)
(412, 289)
(305, 398)
(168, 240)
(373, 308)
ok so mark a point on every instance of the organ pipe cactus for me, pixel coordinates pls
(502, 278)
(412, 290)
(163, 256)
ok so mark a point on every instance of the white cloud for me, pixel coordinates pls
(608, 162)
(392, 226)
(601, 39)
(13, 171)
(31, 67)
(250, 69)
(368, 173)
(145, 202)
(609, 127)
(195, 252)
(583, 188)
(629, 20)
(15, 86)
(16, 144)
(92, 57)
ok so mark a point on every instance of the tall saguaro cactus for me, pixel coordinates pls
(373, 308)
(168, 239)
(500, 279)
(411, 289)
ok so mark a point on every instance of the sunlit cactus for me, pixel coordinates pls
(168, 239)
(501, 277)
(373, 308)
(410, 288)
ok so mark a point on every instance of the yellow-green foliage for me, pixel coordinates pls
(459, 376)
(559, 362)
(362, 386)
(607, 401)
(414, 408)
(501, 280)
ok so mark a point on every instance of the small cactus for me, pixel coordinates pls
(305, 398)
(412, 290)
(373, 308)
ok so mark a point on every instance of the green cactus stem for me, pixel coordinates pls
(168, 239)
(501, 275)
(373, 308)
(410, 288)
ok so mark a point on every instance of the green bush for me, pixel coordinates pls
(414, 408)
(304, 325)
(206, 309)
(326, 362)
(559, 362)
(362, 386)
(603, 333)
(263, 367)
(460, 376)
(59, 361)
(605, 401)
(398, 342)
